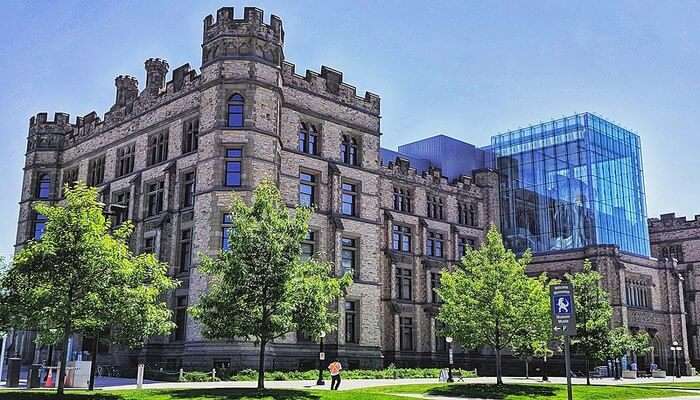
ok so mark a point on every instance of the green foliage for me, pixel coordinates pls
(593, 312)
(260, 288)
(395, 373)
(196, 376)
(620, 342)
(82, 278)
(490, 301)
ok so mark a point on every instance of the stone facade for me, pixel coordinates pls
(163, 152)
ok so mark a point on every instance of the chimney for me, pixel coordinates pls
(127, 90)
(156, 69)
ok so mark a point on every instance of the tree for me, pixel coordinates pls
(488, 299)
(620, 342)
(593, 313)
(81, 277)
(260, 287)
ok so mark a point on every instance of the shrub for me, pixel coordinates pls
(197, 376)
(388, 373)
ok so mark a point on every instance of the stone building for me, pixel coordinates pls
(173, 154)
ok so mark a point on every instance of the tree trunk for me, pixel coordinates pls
(64, 358)
(93, 363)
(261, 366)
(499, 378)
(527, 370)
(588, 371)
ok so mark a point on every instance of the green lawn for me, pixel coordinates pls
(508, 392)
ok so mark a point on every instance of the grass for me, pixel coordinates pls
(507, 392)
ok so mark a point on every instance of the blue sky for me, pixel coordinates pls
(464, 68)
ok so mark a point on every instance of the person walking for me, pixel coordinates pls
(335, 367)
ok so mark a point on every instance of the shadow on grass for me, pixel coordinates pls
(492, 391)
(213, 394)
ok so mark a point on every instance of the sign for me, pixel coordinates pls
(563, 313)
(322, 356)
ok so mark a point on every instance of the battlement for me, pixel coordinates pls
(401, 169)
(252, 24)
(41, 121)
(669, 221)
(330, 83)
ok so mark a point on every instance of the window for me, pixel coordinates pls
(190, 136)
(402, 199)
(440, 341)
(638, 293)
(434, 245)
(185, 250)
(70, 176)
(43, 186)
(406, 328)
(308, 139)
(348, 150)
(351, 322)
(673, 251)
(404, 284)
(226, 229)
(467, 214)
(39, 226)
(349, 197)
(222, 364)
(149, 245)
(125, 159)
(435, 209)
(463, 245)
(180, 317)
(96, 171)
(307, 189)
(401, 238)
(188, 188)
(121, 213)
(235, 111)
(434, 286)
(308, 246)
(154, 198)
(157, 148)
(348, 256)
(233, 167)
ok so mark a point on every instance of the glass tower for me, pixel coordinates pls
(571, 183)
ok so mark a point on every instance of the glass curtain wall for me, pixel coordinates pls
(571, 183)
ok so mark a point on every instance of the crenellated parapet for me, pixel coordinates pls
(401, 170)
(669, 222)
(329, 83)
(48, 135)
(227, 37)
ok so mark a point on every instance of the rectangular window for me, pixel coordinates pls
(96, 171)
(435, 207)
(121, 211)
(226, 229)
(180, 318)
(349, 150)
(190, 136)
(406, 337)
(434, 245)
(149, 245)
(125, 159)
(638, 293)
(401, 238)
(157, 148)
(307, 189)
(154, 198)
(349, 199)
(349, 256)
(404, 283)
(308, 139)
(463, 245)
(188, 188)
(402, 199)
(234, 158)
(70, 176)
(185, 250)
(39, 226)
(467, 214)
(308, 246)
(673, 251)
(351, 322)
(434, 286)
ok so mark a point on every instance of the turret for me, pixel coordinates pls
(45, 135)
(247, 38)
(127, 90)
(156, 69)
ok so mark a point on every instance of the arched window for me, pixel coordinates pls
(43, 187)
(348, 150)
(39, 226)
(308, 139)
(235, 111)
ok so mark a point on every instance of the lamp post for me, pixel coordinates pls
(448, 339)
(675, 348)
(321, 357)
